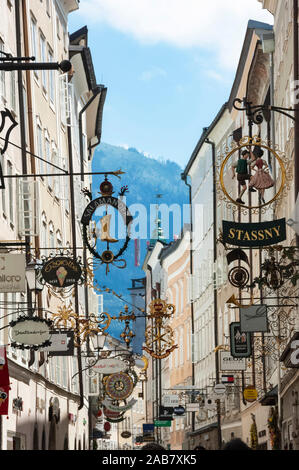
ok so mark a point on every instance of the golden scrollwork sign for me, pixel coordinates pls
(253, 174)
(159, 336)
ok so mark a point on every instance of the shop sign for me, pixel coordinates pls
(179, 410)
(219, 390)
(148, 428)
(192, 407)
(12, 273)
(62, 343)
(254, 319)
(126, 434)
(170, 400)
(61, 271)
(109, 366)
(230, 363)
(30, 333)
(240, 342)
(250, 394)
(119, 409)
(254, 234)
(162, 423)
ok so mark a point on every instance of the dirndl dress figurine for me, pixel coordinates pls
(261, 180)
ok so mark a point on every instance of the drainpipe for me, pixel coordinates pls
(184, 178)
(208, 141)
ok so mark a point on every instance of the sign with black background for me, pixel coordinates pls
(254, 234)
(240, 342)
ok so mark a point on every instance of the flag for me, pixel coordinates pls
(137, 252)
(4, 382)
(227, 379)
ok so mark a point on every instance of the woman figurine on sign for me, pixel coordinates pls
(261, 180)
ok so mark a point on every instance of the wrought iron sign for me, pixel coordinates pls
(253, 174)
(4, 115)
(83, 327)
(159, 336)
(119, 386)
(274, 273)
(94, 237)
(61, 271)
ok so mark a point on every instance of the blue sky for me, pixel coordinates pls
(168, 66)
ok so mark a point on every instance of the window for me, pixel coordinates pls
(44, 243)
(51, 79)
(59, 239)
(57, 179)
(13, 90)
(2, 73)
(10, 193)
(40, 147)
(51, 233)
(48, 159)
(3, 192)
(43, 59)
(34, 41)
(58, 27)
(48, 8)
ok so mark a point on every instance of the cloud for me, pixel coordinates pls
(217, 25)
(153, 72)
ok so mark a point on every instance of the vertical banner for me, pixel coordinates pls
(4, 382)
(137, 252)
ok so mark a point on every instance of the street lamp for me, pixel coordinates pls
(32, 277)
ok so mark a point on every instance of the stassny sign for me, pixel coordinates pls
(254, 234)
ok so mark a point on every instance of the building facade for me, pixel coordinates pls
(56, 135)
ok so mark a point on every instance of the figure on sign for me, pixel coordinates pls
(243, 172)
(105, 229)
(261, 180)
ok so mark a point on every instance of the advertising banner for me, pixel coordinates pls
(12, 273)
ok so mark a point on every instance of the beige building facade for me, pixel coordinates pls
(58, 127)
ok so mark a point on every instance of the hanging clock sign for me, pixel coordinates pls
(119, 386)
(102, 233)
(30, 333)
(61, 271)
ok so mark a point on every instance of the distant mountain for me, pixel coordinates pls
(145, 177)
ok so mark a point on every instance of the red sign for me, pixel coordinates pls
(107, 426)
(4, 382)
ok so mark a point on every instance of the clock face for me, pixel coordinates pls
(119, 386)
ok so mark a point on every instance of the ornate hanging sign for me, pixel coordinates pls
(119, 386)
(253, 175)
(254, 234)
(159, 336)
(13, 123)
(109, 366)
(119, 409)
(101, 234)
(61, 271)
(30, 333)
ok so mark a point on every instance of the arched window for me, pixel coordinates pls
(51, 235)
